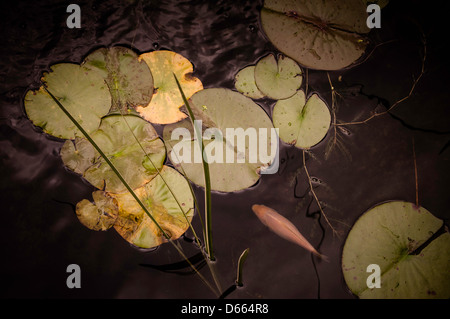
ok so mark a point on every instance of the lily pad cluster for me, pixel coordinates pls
(303, 123)
(102, 94)
(115, 95)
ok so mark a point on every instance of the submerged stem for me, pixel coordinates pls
(314, 194)
(396, 103)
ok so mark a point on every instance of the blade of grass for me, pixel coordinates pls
(111, 165)
(198, 133)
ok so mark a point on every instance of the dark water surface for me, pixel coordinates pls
(41, 236)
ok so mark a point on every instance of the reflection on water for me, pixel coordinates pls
(219, 38)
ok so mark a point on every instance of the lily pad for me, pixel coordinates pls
(397, 236)
(278, 79)
(100, 215)
(83, 93)
(323, 35)
(245, 83)
(173, 214)
(78, 155)
(166, 101)
(225, 115)
(129, 79)
(115, 138)
(300, 122)
(381, 3)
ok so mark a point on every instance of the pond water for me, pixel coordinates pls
(372, 162)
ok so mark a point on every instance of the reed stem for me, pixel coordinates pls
(198, 134)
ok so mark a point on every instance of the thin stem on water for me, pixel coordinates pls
(208, 223)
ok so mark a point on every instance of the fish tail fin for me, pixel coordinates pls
(321, 256)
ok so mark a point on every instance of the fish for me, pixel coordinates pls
(281, 226)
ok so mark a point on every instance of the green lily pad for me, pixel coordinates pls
(220, 110)
(166, 101)
(83, 93)
(129, 79)
(324, 35)
(78, 155)
(173, 214)
(300, 122)
(245, 83)
(278, 80)
(100, 215)
(115, 138)
(396, 237)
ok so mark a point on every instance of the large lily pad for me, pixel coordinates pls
(397, 236)
(172, 213)
(278, 79)
(221, 109)
(115, 138)
(83, 93)
(129, 79)
(166, 101)
(300, 122)
(324, 35)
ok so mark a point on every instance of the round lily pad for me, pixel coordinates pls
(82, 92)
(324, 35)
(115, 138)
(166, 101)
(129, 79)
(278, 79)
(300, 122)
(173, 210)
(100, 215)
(398, 237)
(226, 117)
(245, 83)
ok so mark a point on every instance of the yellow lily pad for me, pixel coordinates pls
(100, 215)
(166, 100)
(173, 215)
